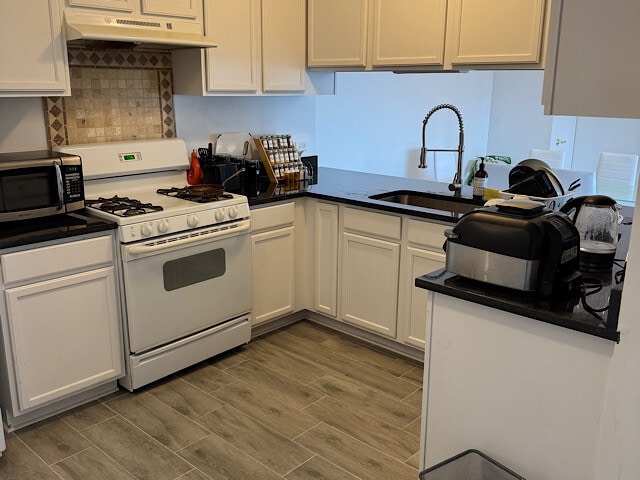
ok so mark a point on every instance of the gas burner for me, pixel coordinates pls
(198, 195)
(122, 206)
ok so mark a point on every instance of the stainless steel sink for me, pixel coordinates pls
(428, 200)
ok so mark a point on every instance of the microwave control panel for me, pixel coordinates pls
(72, 182)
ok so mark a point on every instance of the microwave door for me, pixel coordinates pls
(30, 193)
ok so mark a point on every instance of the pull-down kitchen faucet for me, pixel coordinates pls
(456, 185)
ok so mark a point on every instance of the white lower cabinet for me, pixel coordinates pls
(65, 335)
(61, 328)
(273, 260)
(422, 253)
(369, 270)
(370, 283)
(325, 295)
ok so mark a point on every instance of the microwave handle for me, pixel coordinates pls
(60, 184)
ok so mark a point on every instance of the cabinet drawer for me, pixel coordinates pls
(275, 216)
(377, 224)
(426, 234)
(56, 259)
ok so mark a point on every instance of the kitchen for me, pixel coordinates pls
(307, 118)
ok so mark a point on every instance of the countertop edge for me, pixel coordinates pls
(431, 281)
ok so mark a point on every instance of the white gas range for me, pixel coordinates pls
(185, 258)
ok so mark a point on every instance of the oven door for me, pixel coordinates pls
(181, 284)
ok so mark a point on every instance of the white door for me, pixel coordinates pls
(33, 55)
(410, 32)
(326, 259)
(171, 8)
(283, 45)
(417, 301)
(235, 64)
(175, 290)
(370, 269)
(563, 135)
(481, 33)
(337, 33)
(65, 334)
(273, 273)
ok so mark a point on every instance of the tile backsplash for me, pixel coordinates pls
(115, 95)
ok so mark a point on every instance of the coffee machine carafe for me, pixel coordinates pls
(596, 218)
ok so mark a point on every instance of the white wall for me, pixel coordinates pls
(22, 125)
(374, 122)
(517, 121)
(199, 120)
(518, 124)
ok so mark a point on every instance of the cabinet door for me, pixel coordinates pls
(283, 45)
(65, 334)
(33, 55)
(273, 274)
(370, 283)
(235, 64)
(593, 64)
(337, 33)
(417, 301)
(410, 32)
(326, 259)
(500, 31)
(171, 8)
(119, 5)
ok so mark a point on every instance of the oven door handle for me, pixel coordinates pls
(238, 229)
(59, 183)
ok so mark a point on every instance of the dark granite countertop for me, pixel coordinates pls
(27, 232)
(355, 188)
(565, 312)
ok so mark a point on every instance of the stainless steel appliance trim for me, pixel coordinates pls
(494, 268)
(59, 184)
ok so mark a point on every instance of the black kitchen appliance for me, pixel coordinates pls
(218, 169)
(517, 244)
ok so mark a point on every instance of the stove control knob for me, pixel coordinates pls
(219, 215)
(192, 221)
(233, 211)
(163, 226)
(145, 230)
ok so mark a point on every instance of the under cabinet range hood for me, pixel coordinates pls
(128, 31)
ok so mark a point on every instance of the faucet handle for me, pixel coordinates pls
(423, 158)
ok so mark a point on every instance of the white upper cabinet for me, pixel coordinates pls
(117, 5)
(500, 31)
(185, 9)
(338, 33)
(235, 64)
(411, 32)
(426, 34)
(261, 49)
(593, 63)
(33, 56)
(283, 45)
(172, 8)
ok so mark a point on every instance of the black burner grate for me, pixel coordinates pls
(122, 206)
(185, 193)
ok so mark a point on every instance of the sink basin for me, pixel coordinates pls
(428, 200)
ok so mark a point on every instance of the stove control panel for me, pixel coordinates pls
(156, 227)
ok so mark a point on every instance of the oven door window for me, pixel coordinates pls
(193, 269)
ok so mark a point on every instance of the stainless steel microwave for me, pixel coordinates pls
(39, 184)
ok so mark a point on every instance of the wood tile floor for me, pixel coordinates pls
(301, 403)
